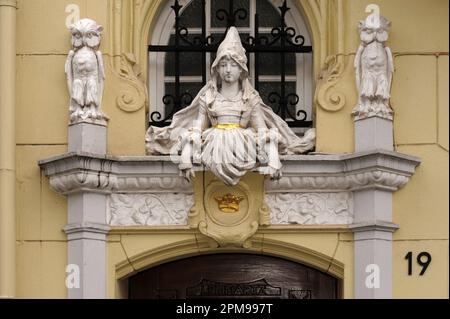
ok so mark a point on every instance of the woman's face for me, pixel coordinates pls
(229, 70)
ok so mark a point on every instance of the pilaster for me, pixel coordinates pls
(7, 147)
(87, 249)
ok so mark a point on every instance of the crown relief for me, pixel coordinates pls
(229, 203)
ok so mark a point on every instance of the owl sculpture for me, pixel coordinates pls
(85, 73)
(374, 67)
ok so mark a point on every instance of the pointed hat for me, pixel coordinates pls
(231, 46)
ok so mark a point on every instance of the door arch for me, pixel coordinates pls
(233, 275)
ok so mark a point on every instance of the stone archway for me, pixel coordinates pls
(233, 275)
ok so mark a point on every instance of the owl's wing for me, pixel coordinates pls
(101, 77)
(357, 65)
(390, 66)
(68, 70)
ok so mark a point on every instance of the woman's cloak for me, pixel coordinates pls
(165, 140)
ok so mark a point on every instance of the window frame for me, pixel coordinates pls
(164, 28)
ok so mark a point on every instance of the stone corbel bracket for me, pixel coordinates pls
(379, 169)
(84, 172)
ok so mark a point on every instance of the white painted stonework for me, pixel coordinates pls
(376, 169)
(85, 73)
(149, 191)
(373, 117)
(149, 209)
(79, 171)
(374, 67)
(318, 189)
(310, 208)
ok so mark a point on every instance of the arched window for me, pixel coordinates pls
(273, 74)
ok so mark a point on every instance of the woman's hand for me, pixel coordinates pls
(188, 174)
(274, 173)
(196, 147)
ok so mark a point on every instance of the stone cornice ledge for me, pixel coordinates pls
(378, 169)
(77, 172)
(272, 229)
(86, 172)
(377, 225)
(87, 230)
(87, 227)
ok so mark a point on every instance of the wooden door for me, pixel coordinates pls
(233, 276)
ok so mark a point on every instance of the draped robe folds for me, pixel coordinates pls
(169, 140)
(253, 136)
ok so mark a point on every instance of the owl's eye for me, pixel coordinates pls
(90, 35)
(77, 35)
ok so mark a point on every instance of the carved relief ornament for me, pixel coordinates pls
(149, 209)
(310, 208)
(132, 94)
(326, 96)
(233, 219)
(324, 184)
(329, 34)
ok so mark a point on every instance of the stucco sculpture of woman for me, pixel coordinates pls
(227, 128)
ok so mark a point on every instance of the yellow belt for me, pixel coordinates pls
(228, 126)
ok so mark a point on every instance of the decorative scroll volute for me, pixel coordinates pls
(132, 94)
(130, 91)
(326, 94)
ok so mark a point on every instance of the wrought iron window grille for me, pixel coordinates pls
(282, 40)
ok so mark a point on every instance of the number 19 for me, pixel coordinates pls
(423, 263)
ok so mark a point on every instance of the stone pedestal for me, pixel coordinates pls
(373, 133)
(87, 137)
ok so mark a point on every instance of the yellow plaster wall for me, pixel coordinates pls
(442, 102)
(421, 210)
(41, 107)
(419, 29)
(433, 283)
(41, 269)
(334, 130)
(417, 25)
(42, 96)
(419, 42)
(41, 214)
(419, 99)
(43, 42)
